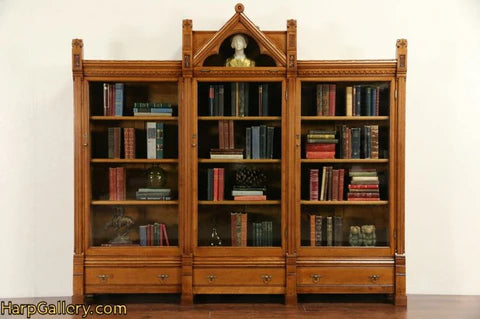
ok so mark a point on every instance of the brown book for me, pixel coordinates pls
(335, 183)
(129, 142)
(112, 183)
(319, 99)
(312, 230)
(225, 151)
(244, 229)
(231, 135)
(117, 137)
(318, 230)
(221, 135)
(325, 100)
(221, 183)
(233, 228)
(374, 141)
(120, 183)
(341, 184)
(313, 184)
(331, 99)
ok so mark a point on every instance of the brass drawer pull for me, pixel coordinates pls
(315, 277)
(211, 278)
(163, 277)
(103, 277)
(266, 278)
(374, 278)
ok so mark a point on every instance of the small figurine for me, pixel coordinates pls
(356, 236)
(369, 237)
(239, 59)
(121, 224)
(215, 239)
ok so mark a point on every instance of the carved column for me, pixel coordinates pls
(400, 269)
(78, 257)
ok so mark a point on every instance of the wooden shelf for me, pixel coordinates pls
(343, 202)
(134, 161)
(240, 118)
(134, 202)
(345, 160)
(134, 118)
(344, 118)
(259, 161)
(240, 202)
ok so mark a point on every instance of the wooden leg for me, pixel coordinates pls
(187, 281)
(400, 281)
(291, 272)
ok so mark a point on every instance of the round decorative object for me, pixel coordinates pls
(239, 8)
(250, 177)
(156, 177)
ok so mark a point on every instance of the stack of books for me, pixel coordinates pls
(215, 184)
(249, 193)
(259, 142)
(113, 99)
(154, 194)
(362, 100)
(155, 136)
(364, 185)
(359, 142)
(330, 234)
(226, 142)
(320, 144)
(325, 99)
(262, 234)
(153, 235)
(116, 181)
(331, 185)
(152, 109)
(239, 228)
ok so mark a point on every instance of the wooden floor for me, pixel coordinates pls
(238, 307)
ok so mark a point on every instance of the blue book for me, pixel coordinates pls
(142, 233)
(210, 184)
(255, 142)
(355, 131)
(358, 99)
(368, 101)
(160, 110)
(263, 141)
(119, 99)
(248, 143)
(373, 101)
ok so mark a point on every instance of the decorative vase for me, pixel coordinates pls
(156, 177)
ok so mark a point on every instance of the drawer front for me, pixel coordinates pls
(263, 277)
(132, 276)
(344, 276)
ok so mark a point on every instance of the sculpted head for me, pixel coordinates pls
(239, 42)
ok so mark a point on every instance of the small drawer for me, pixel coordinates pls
(344, 276)
(132, 276)
(239, 277)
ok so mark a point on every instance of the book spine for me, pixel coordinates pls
(318, 100)
(151, 140)
(233, 227)
(358, 100)
(246, 98)
(238, 229)
(221, 100)
(246, 193)
(270, 134)
(221, 135)
(231, 134)
(105, 99)
(148, 232)
(112, 182)
(260, 100)
(117, 141)
(241, 99)
(313, 184)
(160, 136)
(329, 231)
(165, 235)
(210, 184)
(322, 190)
(320, 154)
(119, 99)
(363, 186)
(211, 100)
(374, 141)
(318, 230)
(377, 102)
(215, 184)
(248, 143)
(265, 99)
(233, 99)
(355, 133)
(221, 183)
(332, 98)
(338, 231)
(312, 230)
(110, 131)
(325, 98)
(335, 183)
(341, 184)
(216, 110)
(368, 101)
(111, 99)
(142, 234)
(256, 142)
(349, 101)
(263, 141)
(330, 182)
(120, 183)
(244, 229)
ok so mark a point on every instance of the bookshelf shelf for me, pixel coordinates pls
(134, 202)
(134, 161)
(240, 118)
(344, 203)
(346, 161)
(246, 161)
(240, 202)
(135, 118)
(344, 118)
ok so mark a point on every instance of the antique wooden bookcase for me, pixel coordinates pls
(193, 263)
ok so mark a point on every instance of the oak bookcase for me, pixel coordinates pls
(290, 264)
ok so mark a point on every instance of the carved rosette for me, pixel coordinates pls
(402, 43)
(239, 8)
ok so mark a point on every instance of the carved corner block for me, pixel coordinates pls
(77, 55)
(402, 46)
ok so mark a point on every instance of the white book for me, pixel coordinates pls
(247, 193)
(365, 178)
(322, 189)
(151, 140)
(151, 114)
(226, 156)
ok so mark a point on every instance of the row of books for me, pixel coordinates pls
(152, 109)
(362, 100)
(359, 142)
(259, 142)
(154, 194)
(155, 143)
(226, 142)
(325, 99)
(262, 234)
(320, 144)
(328, 233)
(364, 184)
(113, 99)
(239, 228)
(153, 235)
(239, 102)
(116, 183)
(329, 187)
(215, 184)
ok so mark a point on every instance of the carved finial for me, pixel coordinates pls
(402, 43)
(187, 23)
(291, 24)
(77, 43)
(239, 8)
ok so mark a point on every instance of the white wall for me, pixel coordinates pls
(36, 118)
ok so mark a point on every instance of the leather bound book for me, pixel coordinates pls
(210, 184)
(216, 110)
(335, 183)
(231, 134)
(341, 184)
(325, 100)
(318, 230)
(110, 142)
(263, 141)
(314, 184)
(265, 99)
(244, 229)
(160, 135)
(374, 141)
(332, 99)
(320, 154)
(211, 100)
(248, 143)
(119, 99)
(322, 189)
(117, 141)
(105, 99)
(270, 134)
(349, 101)
(329, 231)
(318, 100)
(312, 230)
(165, 234)
(112, 183)
(233, 228)
(121, 187)
(320, 147)
(221, 183)
(260, 100)
(215, 184)
(221, 100)
(221, 135)
(330, 182)
(111, 99)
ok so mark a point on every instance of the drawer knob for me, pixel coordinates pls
(374, 278)
(163, 277)
(315, 277)
(211, 278)
(103, 277)
(266, 278)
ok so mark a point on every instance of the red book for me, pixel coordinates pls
(377, 102)
(341, 183)
(362, 195)
(111, 98)
(244, 229)
(233, 228)
(312, 230)
(163, 230)
(362, 186)
(313, 184)
(121, 188)
(332, 94)
(221, 183)
(335, 183)
(371, 199)
(215, 184)
(253, 197)
(231, 135)
(314, 147)
(330, 182)
(221, 136)
(129, 142)
(112, 183)
(319, 155)
(160, 234)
